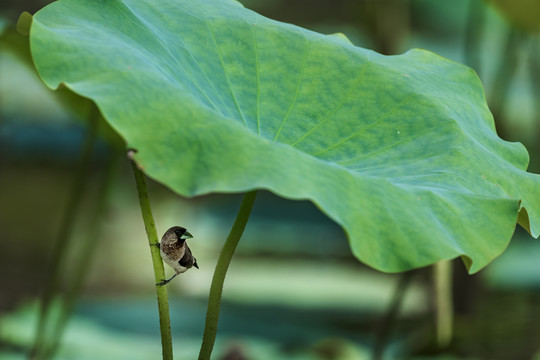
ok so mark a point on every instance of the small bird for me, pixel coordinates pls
(175, 251)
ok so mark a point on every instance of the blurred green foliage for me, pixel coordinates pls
(32, 194)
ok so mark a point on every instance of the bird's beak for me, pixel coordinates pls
(186, 236)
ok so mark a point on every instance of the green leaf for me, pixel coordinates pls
(400, 151)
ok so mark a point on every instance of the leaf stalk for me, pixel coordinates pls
(216, 288)
(443, 299)
(159, 272)
(55, 271)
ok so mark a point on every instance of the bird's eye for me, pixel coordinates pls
(179, 232)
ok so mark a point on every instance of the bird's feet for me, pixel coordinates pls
(156, 245)
(163, 282)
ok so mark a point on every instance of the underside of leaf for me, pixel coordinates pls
(401, 151)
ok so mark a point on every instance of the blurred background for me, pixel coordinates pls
(284, 296)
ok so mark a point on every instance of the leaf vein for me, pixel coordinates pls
(378, 151)
(225, 72)
(337, 107)
(145, 26)
(359, 132)
(300, 77)
(257, 72)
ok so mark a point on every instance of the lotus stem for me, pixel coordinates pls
(216, 289)
(159, 272)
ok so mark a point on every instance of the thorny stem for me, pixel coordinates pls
(159, 272)
(216, 289)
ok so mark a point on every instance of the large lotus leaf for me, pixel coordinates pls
(400, 151)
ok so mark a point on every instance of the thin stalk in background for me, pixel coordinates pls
(444, 305)
(159, 272)
(60, 249)
(86, 253)
(474, 33)
(390, 318)
(216, 288)
(534, 66)
(498, 99)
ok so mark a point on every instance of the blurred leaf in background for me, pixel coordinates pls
(523, 14)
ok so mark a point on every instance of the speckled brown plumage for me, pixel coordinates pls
(172, 247)
(175, 252)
